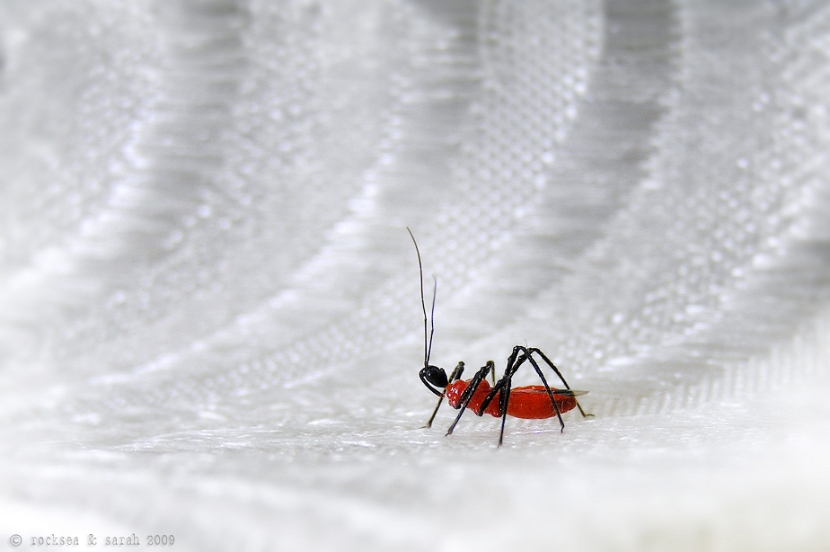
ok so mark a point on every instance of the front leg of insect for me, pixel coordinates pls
(469, 394)
(436, 377)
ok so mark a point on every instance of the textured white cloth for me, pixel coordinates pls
(209, 312)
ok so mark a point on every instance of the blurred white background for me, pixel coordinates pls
(209, 314)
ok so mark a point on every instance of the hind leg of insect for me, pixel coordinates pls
(468, 393)
(513, 364)
(547, 388)
(456, 375)
(519, 356)
(558, 373)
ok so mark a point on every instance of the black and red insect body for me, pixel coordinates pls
(501, 399)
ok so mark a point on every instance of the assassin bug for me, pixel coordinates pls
(501, 399)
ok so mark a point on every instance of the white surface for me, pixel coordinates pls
(209, 318)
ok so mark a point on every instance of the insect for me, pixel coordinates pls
(500, 399)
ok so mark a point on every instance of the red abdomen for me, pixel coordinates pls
(529, 402)
(533, 402)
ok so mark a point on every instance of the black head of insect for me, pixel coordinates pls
(433, 377)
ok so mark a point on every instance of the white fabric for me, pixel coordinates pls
(209, 313)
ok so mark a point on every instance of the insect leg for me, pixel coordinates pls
(456, 374)
(510, 369)
(468, 393)
(550, 393)
(558, 373)
(503, 401)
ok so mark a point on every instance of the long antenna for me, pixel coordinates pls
(432, 317)
(427, 342)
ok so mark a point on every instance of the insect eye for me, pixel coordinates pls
(435, 376)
